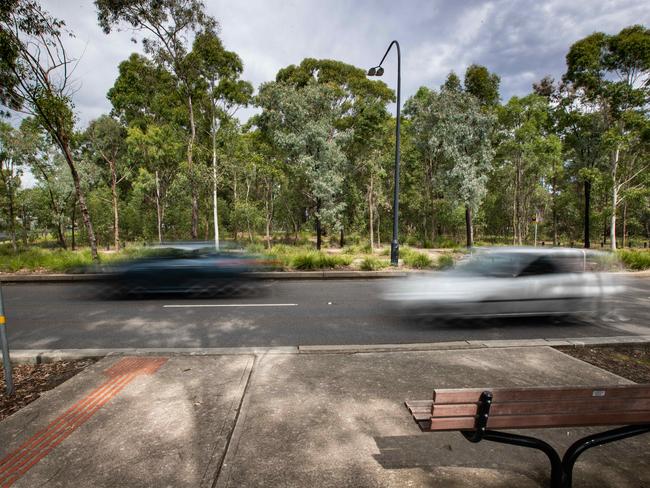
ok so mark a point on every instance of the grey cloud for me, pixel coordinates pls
(520, 40)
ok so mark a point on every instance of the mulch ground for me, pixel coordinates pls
(629, 361)
(30, 380)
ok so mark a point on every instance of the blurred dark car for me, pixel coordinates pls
(511, 281)
(199, 272)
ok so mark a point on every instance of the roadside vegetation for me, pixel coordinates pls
(636, 260)
(44, 259)
(313, 167)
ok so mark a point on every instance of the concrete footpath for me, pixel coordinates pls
(293, 420)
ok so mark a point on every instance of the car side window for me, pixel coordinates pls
(540, 266)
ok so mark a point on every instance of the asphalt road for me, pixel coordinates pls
(290, 313)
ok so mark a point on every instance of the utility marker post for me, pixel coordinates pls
(5, 350)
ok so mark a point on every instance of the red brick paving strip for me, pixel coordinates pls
(16, 464)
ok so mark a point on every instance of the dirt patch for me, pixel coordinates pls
(30, 380)
(629, 361)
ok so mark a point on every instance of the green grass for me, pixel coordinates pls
(352, 249)
(635, 260)
(370, 263)
(36, 259)
(319, 260)
(445, 261)
(415, 259)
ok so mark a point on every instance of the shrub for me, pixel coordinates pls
(445, 243)
(255, 248)
(415, 259)
(318, 260)
(412, 241)
(445, 261)
(52, 260)
(636, 260)
(354, 249)
(373, 264)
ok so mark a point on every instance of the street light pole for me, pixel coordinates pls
(378, 71)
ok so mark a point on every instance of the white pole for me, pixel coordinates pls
(215, 213)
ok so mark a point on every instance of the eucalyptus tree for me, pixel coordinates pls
(36, 79)
(612, 74)
(54, 189)
(145, 93)
(169, 27)
(106, 145)
(482, 84)
(454, 133)
(145, 99)
(361, 104)
(532, 156)
(220, 70)
(157, 148)
(11, 169)
(302, 122)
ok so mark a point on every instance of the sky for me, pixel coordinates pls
(521, 41)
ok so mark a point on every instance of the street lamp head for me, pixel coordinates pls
(372, 71)
(379, 72)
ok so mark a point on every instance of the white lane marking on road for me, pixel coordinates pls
(211, 305)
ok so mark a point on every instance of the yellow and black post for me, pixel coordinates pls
(9, 383)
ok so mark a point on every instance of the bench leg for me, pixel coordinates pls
(581, 445)
(525, 441)
(561, 470)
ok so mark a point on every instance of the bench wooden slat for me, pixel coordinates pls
(542, 421)
(541, 394)
(420, 409)
(542, 407)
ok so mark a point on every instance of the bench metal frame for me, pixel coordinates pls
(561, 468)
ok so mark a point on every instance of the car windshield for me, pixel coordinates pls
(491, 264)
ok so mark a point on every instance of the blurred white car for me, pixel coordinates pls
(510, 281)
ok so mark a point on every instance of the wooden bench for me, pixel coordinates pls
(477, 412)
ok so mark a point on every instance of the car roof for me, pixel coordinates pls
(536, 251)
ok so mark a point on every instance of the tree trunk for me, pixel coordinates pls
(624, 222)
(342, 238)
(615, 157)
(587, 213)
(554, 208)
(235, 223)
(319, 230)
(612, 230)
(116, 216)
(74, 223)
(158, 209)
(12, 216)
(60, 232)
(25, 224)
(269, 217)
(514, 211)
(215, 210)
(372, 222)
(518, 205)
(468, 226)
(378, 227)
(81, 199)
(190, 167)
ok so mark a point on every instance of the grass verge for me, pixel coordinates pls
(636, 260)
